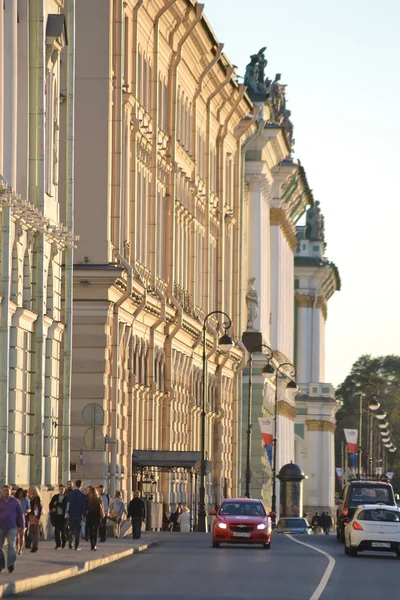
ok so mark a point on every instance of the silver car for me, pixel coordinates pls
(294, 525)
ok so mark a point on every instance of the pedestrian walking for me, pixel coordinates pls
(175, 517)
(105, 499)
(34, 514)
(57, 508)
(117, 511)
(316, 523)
(70, 487)
(94, 515)
(137, 513)
(167, 524)
(24, 503)
(184, 520)
(76, 513)
(11, 522)
(326, 522)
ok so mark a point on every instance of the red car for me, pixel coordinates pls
(241, 521)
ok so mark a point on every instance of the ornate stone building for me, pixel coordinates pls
(160, 122)
(316, 279)
(276, 196)
(33, 246)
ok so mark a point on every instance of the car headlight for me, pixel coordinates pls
(262, 526)
(222, 525)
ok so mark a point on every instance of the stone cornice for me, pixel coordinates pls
(315, 425)
(23, 317)
(308, 301)
(278, 217)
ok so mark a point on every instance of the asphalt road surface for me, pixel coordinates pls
(185, 567)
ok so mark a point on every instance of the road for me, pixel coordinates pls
(185, 567)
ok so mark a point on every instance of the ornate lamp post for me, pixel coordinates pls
(359, 457)
(373, 406)
(267, 371)
(292, 386)
(225, 343)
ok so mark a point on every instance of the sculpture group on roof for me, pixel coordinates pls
(260, 87)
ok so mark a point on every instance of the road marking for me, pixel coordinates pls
(328, 571)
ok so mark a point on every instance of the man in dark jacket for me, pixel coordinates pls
(326, 522)
(137, 513)
(57, 508)
(76, 513)
(316, 523)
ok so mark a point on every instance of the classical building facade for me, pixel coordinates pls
(316, 279)
(286, 277)
(34, 243)
(160, 123)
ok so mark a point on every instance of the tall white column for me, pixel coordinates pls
(259, 249)
(2, 55)
(10, 92)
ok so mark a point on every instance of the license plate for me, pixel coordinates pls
(241, 534)
(380, 545)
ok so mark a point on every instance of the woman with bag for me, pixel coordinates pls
(24, 503)
(95, 513)
(34, 513)
(117, 512)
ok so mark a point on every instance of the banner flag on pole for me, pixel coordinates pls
(351, 436)
(267, 433)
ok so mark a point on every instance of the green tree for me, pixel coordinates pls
(384, 373)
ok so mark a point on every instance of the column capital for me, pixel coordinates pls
(279, 218)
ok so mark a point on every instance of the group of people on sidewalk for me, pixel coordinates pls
(73, 514)
(179, 520)
(19, 522)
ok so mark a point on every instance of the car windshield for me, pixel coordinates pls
(250, 509)
(379, 514)
(370, 495)
(298, 523)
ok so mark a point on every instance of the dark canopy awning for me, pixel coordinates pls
(165, 460)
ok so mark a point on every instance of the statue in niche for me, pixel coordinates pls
(315, 225)
(252, 301)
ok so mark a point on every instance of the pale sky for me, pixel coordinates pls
(340, 60)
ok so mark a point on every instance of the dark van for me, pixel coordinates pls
(361, 492)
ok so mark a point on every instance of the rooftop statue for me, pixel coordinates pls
(254, 76)
(315, 225)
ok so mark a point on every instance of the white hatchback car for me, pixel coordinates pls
(373, 527)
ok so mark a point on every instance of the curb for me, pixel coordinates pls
(32, 583)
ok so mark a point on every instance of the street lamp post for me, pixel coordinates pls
(267, 371)
(359, 457)
(290, 385)
(225, 343)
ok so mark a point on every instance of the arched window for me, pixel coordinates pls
(150, 91)
(140, 76)
(178, 115)
(50, 291)
(27, 289)
(145, 82)
(14, 276)
(189, 129)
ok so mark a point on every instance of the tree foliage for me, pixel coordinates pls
(384, 373)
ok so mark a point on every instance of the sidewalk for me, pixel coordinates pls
(47, 566)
